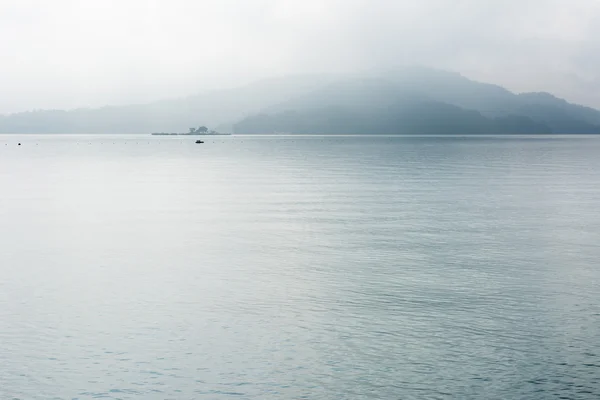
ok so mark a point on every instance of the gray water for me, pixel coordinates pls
(139, 267)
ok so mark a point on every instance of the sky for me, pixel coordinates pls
(87, 53)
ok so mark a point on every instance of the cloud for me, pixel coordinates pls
(69, 53)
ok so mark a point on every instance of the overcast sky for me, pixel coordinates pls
(71, 53)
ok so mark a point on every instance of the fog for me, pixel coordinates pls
(79, 53)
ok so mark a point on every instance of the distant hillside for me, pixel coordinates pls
(217, 109)
(416, 118)
(408, 100)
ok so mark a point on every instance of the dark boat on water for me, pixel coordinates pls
(199, 141)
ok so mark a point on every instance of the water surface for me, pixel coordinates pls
(140, 267)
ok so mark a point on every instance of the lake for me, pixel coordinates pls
(322, 267)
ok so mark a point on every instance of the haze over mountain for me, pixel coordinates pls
(214, 108)
(413, 100)
(67, 54)
(422, 100)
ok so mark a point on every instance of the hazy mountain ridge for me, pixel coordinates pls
(427, 117)
(422, 92)
(217, 109)
(410, 100)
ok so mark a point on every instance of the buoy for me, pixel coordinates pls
(19, 144)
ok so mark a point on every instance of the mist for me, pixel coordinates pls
(66, 53)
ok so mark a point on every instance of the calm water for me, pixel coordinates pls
(139, 267)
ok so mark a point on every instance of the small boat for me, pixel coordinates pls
(199, 141)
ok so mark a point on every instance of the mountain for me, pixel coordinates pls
(490, 100)
(420, 101)
(409, 100)
(217, 109)
(412, 118)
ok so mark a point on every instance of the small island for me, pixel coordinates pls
(203, 130)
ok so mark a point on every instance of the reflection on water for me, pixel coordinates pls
(139, 267)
